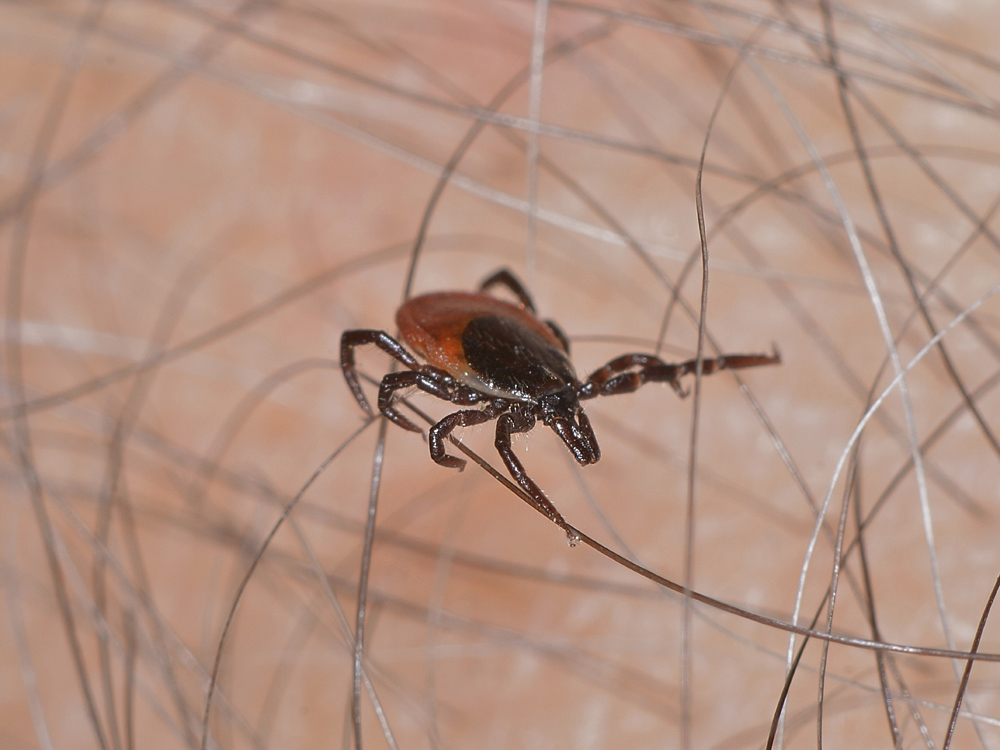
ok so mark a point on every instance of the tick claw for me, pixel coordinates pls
(452, 462)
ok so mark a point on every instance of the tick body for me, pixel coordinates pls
(490, 345)
(483, 352)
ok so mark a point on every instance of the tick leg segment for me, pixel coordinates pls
(558, 333)
(615, 378)
(429, 379)
(439, 432)
(507, 424)
(385, 342)
(503, 277)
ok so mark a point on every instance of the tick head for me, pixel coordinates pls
(561, 411)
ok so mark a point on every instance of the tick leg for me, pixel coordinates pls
(429, 379)
(363, 337)
(507, 424)
(391, 383)
(558, 333)
(615, 378)
(439, 432)
(503, 277)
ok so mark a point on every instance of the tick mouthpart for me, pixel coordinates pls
(563, 402)
(577, 434)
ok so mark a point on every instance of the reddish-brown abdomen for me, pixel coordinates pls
(433, 325)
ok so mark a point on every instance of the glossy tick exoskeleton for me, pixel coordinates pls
(484, 351)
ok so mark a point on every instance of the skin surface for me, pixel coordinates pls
(198, 199)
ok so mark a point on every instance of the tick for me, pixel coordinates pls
(514, 367)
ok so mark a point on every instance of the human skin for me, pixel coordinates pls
(192, 217)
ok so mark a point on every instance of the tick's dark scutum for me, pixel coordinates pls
(511, 357)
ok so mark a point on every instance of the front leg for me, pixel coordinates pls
(507, 424)
(439, 433)
(615, 378)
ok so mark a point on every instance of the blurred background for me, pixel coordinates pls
(198, 198)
